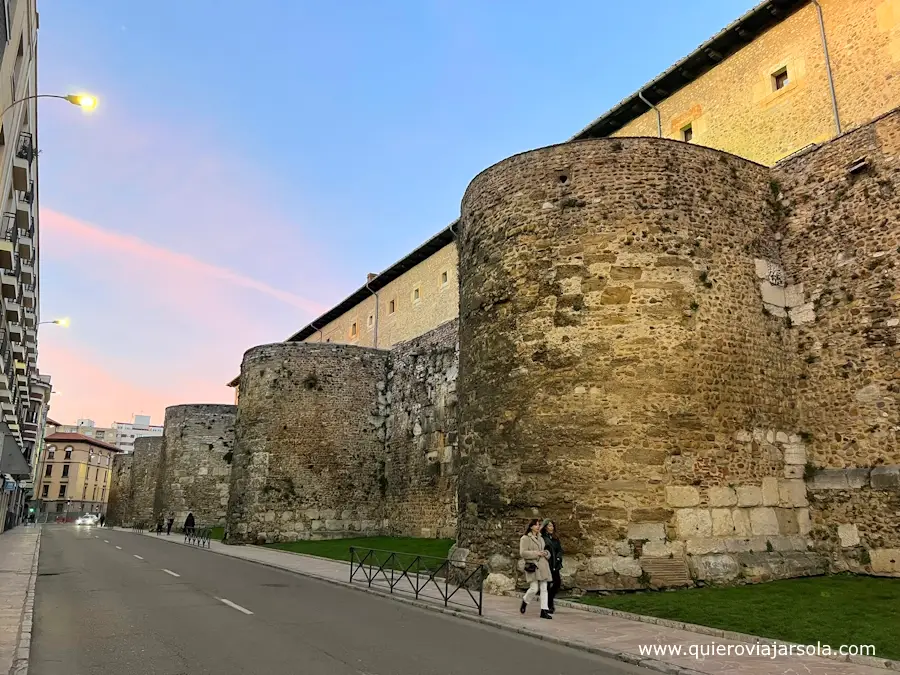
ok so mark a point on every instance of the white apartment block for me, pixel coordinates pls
(126, 432)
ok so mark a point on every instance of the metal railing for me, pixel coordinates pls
(198, 536)
(425, 576)
(139, 527)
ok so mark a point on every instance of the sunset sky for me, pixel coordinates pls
(250, 162)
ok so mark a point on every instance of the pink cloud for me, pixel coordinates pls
(74, 235)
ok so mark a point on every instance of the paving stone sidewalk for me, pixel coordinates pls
(609, 636)
(19, 549)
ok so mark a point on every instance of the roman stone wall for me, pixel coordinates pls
(196, 459)
(308, 443)
(145, 477)
(619, 371)
(419, 413)
(121, 491)
(841, 252)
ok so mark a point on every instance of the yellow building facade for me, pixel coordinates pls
(74, 474)
(786, 75)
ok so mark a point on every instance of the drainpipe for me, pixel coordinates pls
(368, 281)
(658, 116)
(834, 105)
(316, 328)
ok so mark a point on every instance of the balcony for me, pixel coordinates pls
(30, 318)
(15, 331)
(25, 244)
(11, 311)
(22, 162)
(23, 211)
(9, 285)
(18, 350)
(26, 274)
(7, 236)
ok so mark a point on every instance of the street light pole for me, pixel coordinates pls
(82, 100)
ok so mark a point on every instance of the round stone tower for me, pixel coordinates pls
(196, 463)
(613, 342)
(308, 456)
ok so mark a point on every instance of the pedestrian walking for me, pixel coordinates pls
(169, 524)
(537, 569)
(189, 523)
(159, 526)
(102, 520)
(553, 544)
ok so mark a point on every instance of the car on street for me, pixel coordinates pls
(88, 519)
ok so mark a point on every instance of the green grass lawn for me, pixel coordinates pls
(339, 549)
(217, 533)
(837, 610)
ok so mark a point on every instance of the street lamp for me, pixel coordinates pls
(83, 101)
(59, 322)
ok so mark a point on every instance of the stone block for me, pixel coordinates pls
(849, 535)
(749, 495)
(794, 471)
(830, 479)
(317, 525)
(787, 521)
(659, 549)
(704, 545)
(270, 516)
(722, 523)
(857, 478)
(786, 543)
(804, 524)
(762, 268)
(885, 477)
(763, 521)
(690, 523)
(772, 295)
(647, 531)
(616, 295)
(803, 314)
(770, 491)
(741, 520)
(795, 453)
(627, 567)
(715, 568)
(682, 496)
(722, 496)
(498, 584)
(793, 295)
(792, 493)
(600, 565)
(885, 560)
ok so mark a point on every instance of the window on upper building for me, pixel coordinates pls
(370, 321)
(392, 306)
(51, 454)
(416, 295)
(687, 134)
(62, 490)
(49, 470)
(445, 278)
(94, 495)
(353, 330)
(68, 453)
(65, 471)
(46, 491)
(84, 492)
(100, 434)
(780, 79)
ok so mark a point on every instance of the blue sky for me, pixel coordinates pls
(248, 168)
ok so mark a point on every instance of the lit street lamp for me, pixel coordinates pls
(59, 322)
(83, 101)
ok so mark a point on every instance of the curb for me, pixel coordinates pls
(871, 661)
(26, 623)
(625, 657)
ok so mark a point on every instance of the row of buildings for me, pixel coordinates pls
(675, 333)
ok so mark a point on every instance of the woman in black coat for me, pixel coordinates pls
(552, 544)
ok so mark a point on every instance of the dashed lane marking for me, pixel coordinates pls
(171, 572)
(138, 557)
(119, 547)
(234, 606)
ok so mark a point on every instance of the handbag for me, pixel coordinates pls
(530, 567)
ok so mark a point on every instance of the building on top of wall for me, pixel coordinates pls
(762, 88)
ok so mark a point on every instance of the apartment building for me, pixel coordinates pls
(74, 474)
(787, 75)
(126, 432)
(22, 409)
(85, 427)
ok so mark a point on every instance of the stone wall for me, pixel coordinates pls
(418, 405)
(145, 477)
(195, 470)
(618, 369)
(308, 459)
(841, 251)
(121, 491)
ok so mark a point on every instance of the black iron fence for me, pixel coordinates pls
(198, 536)
(440, 579)
(139, 527)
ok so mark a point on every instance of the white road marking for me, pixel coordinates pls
(119, 547)
(171, 572)
(106, 541)
(96, 537)
(235, 606)
(138, 557)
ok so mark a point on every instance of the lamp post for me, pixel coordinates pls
(83, 101)
(59, 322)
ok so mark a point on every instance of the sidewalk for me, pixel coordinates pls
(19, 549)
(609, 636)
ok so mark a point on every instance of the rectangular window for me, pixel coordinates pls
(444, 278)
(59, 507)
(780, 79)
(62, 490)
(94, 498)
(371, 320)
(353, 330)
(69, 453)
(46, 492)
(49, 470)
(687, 134)
(84, 492)
(50, 454)
(392, 306)
(65, 470)
(416, 295)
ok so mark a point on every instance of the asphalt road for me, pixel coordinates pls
(111, 602)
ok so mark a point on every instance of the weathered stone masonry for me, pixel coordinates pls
(121, 491)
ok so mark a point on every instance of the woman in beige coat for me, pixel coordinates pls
(537, 569)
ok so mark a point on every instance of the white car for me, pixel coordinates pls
(87, 519)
